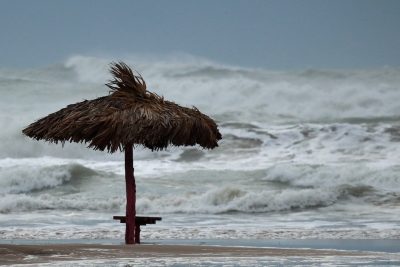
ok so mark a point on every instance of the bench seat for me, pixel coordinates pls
(140, 220)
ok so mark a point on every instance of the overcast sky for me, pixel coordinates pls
(277, 34)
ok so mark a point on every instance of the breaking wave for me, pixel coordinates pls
(283, 187)
(233, 199)
(24, 179)
(238, 95)
(12, 203)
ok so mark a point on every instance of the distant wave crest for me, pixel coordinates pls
(24, 179)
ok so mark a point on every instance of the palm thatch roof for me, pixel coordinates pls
(129, 115)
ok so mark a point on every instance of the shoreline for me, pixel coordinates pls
(28, 254)
(86, 254)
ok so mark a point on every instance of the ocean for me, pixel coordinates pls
(310, 154)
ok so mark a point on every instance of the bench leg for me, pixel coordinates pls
(137, 233)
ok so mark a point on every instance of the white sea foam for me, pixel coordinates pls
(26, 203)
(20, 179)
(276, 187)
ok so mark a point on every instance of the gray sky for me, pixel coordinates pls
(277, 34)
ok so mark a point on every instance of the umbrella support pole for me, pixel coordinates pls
(130, 237)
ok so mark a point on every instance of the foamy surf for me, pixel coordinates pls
(311, 152)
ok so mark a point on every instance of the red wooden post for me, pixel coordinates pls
(130, 196)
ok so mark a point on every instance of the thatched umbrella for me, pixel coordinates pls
(130, 115)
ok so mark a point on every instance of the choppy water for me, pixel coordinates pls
(305, 154)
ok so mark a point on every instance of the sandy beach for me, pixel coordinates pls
(86, 254)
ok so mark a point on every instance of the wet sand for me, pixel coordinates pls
(25, 254)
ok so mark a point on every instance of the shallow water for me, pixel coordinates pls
(222, 261)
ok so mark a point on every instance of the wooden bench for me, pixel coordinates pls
(140, 220)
